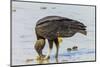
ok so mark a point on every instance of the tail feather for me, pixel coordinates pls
(79, 26)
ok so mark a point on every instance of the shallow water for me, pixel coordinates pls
(73, 56)
(24, 18)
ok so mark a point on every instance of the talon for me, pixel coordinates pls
(38, 58)
(43, 56)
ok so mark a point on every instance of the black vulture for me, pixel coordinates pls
(52, 27)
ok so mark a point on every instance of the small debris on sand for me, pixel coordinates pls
(74, 48)
(43, 7)
(69, 49)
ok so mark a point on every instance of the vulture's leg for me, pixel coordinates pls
(49, 49)
(57, 47)
(40, 43)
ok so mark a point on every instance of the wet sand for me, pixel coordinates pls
(23, 34)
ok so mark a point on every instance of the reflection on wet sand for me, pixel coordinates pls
(71, 56)
(41, 61)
